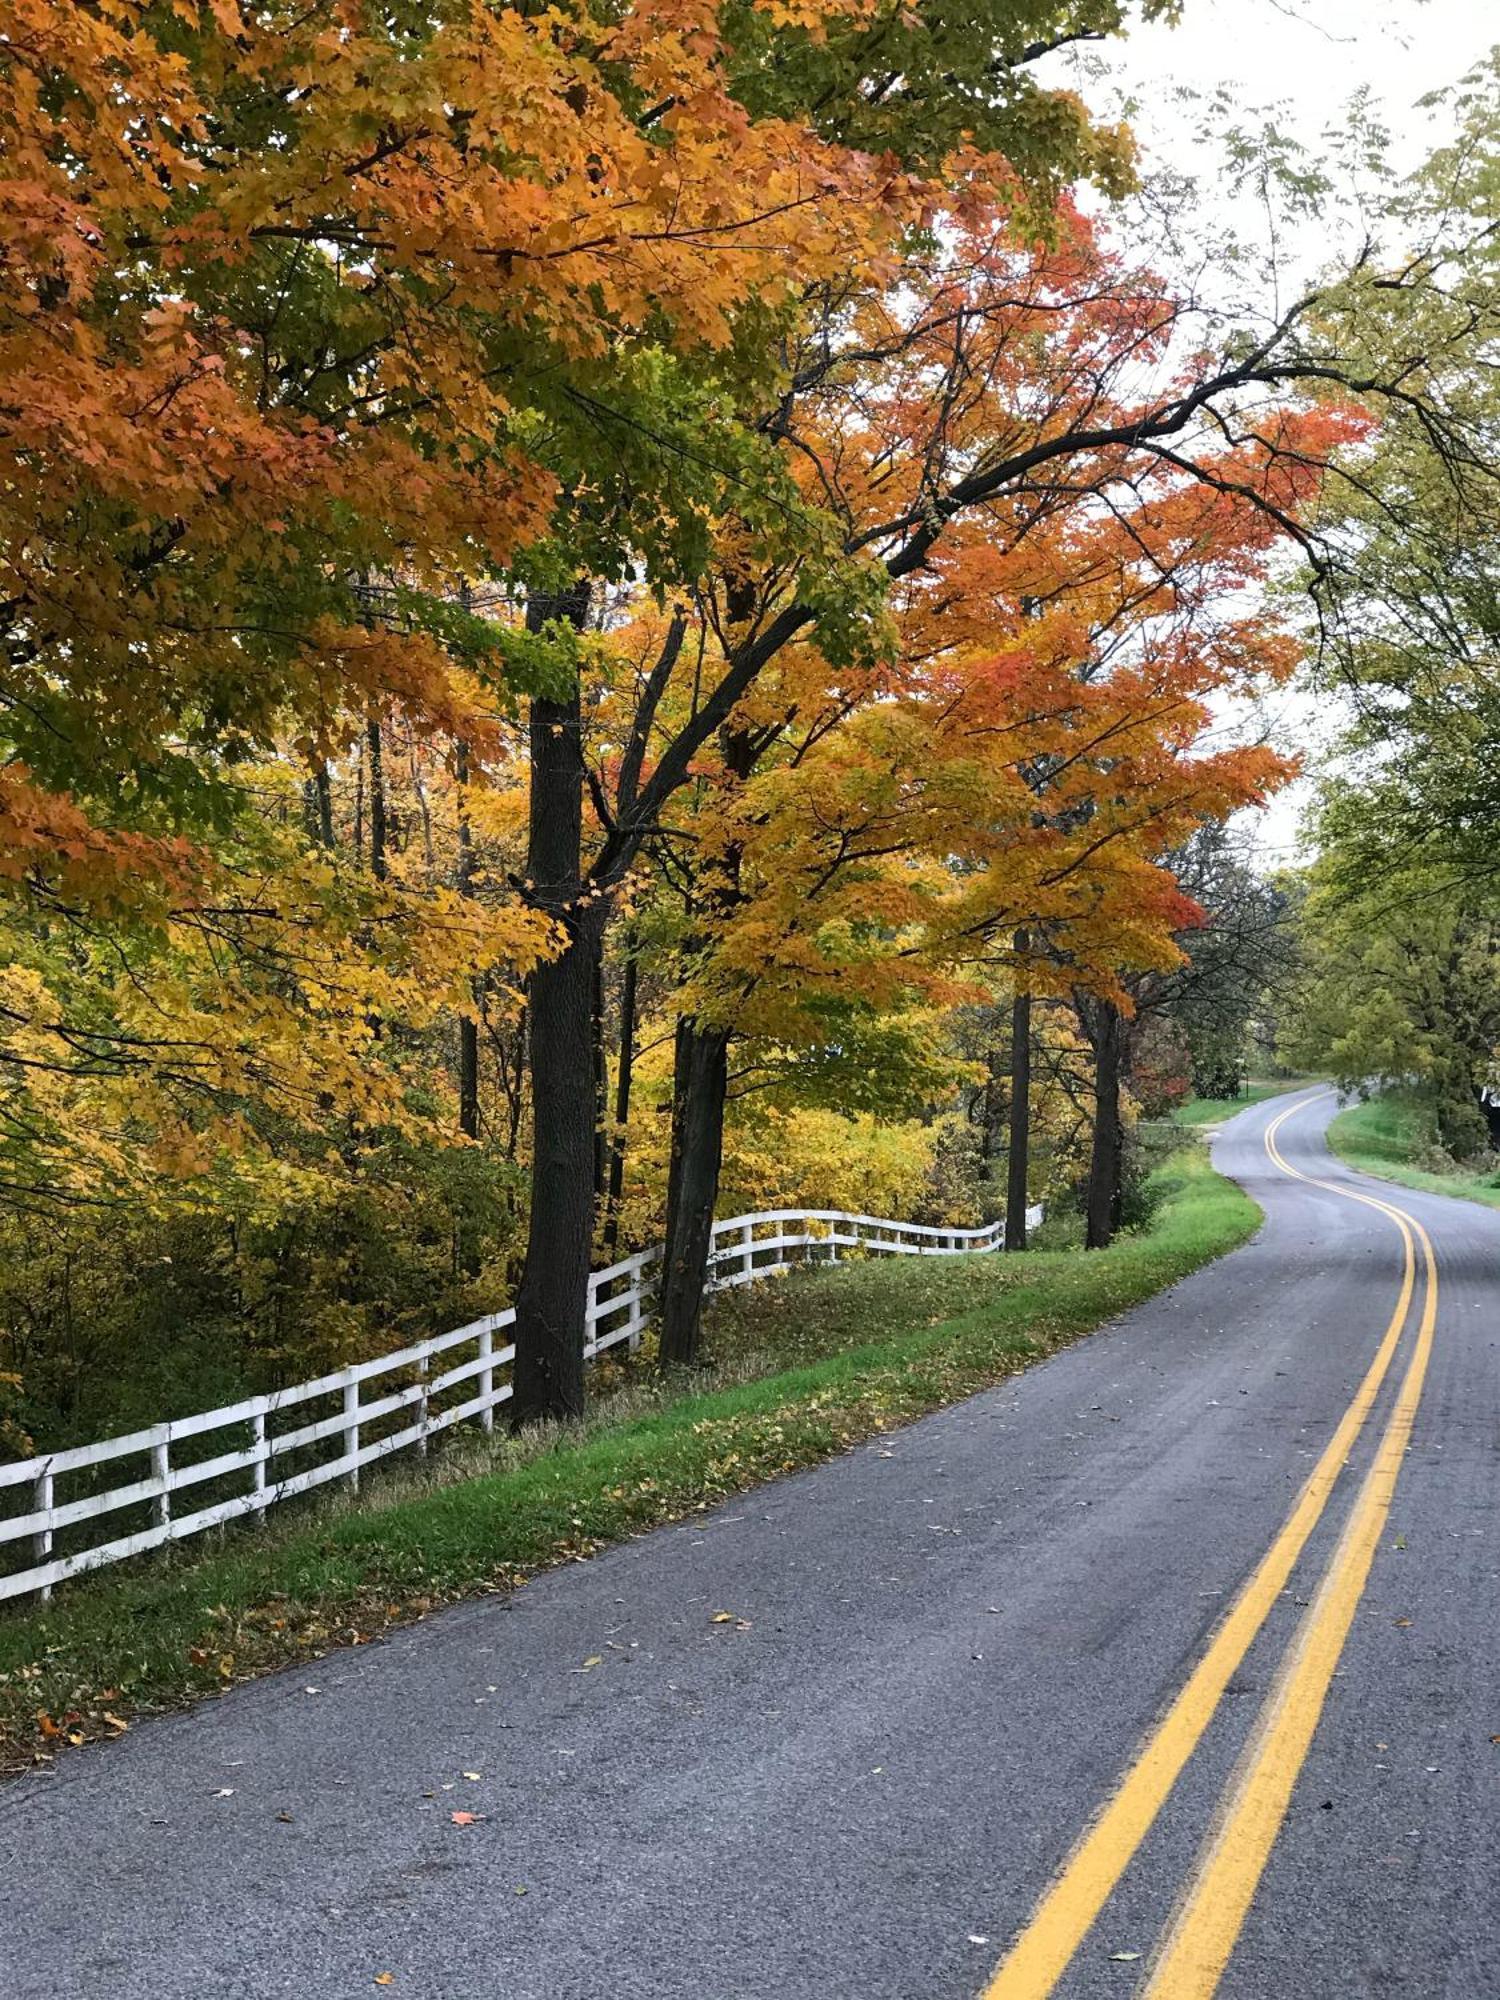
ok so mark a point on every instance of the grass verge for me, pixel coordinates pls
(1212, 1110)
(164, 1631)
(1388, 1135)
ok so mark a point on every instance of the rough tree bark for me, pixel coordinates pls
(1018, 1159)
(553, 1297)
(1105, 1159)
(700, 1078)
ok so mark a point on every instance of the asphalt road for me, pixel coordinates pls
(948, 1651)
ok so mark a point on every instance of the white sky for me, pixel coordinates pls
(1310, 54)
(1301, 61)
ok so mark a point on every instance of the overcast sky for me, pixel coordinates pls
(1305, 59)
(1311, 54)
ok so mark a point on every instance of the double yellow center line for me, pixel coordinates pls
(1213, 1906)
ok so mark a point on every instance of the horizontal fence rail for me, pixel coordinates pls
(199, 1472)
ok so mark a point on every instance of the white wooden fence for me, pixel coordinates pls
(289, 1441)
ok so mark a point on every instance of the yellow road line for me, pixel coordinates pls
(1069, 1907)
(1219, 1893)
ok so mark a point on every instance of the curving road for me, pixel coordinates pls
(1230, 1564)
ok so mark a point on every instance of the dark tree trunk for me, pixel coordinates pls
(552, 1301)
(377, 804)
(553, 1297)
(1105, 1157)
(699, 1081)
(514, 1073)
(624, 1076)
(323, 791)
(1019, 1158)
(601, 1079)
(468, 1077)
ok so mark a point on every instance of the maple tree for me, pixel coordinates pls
(1066, 646)
(508, 517)
(950, 447)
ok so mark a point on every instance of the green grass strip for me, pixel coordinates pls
(1386, 1135)
(171, 1628)
(1212, 1110)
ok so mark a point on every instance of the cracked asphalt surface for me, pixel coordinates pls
(945, 1650)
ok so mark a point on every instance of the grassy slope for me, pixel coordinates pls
(161, 1631)
(1211, 1110)
(1386, 1135)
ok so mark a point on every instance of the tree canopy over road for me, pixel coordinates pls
(613, 611)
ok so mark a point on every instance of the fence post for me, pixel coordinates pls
(637, 1317)
(487, 1377)
(351, 1434)
(747, 1247)
(258, 1469)
(160, 1471)
(422, 1370)
(41, 1503)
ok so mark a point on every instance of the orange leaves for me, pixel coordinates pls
(224, 410)
(46, 835)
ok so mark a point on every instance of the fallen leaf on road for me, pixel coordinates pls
(465, 1818)
(723, 1618)
(975, 1938)
(1123, 1957)
(1403, 1621)
(473, 1776)
(384, 1979)
(116, 1723)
